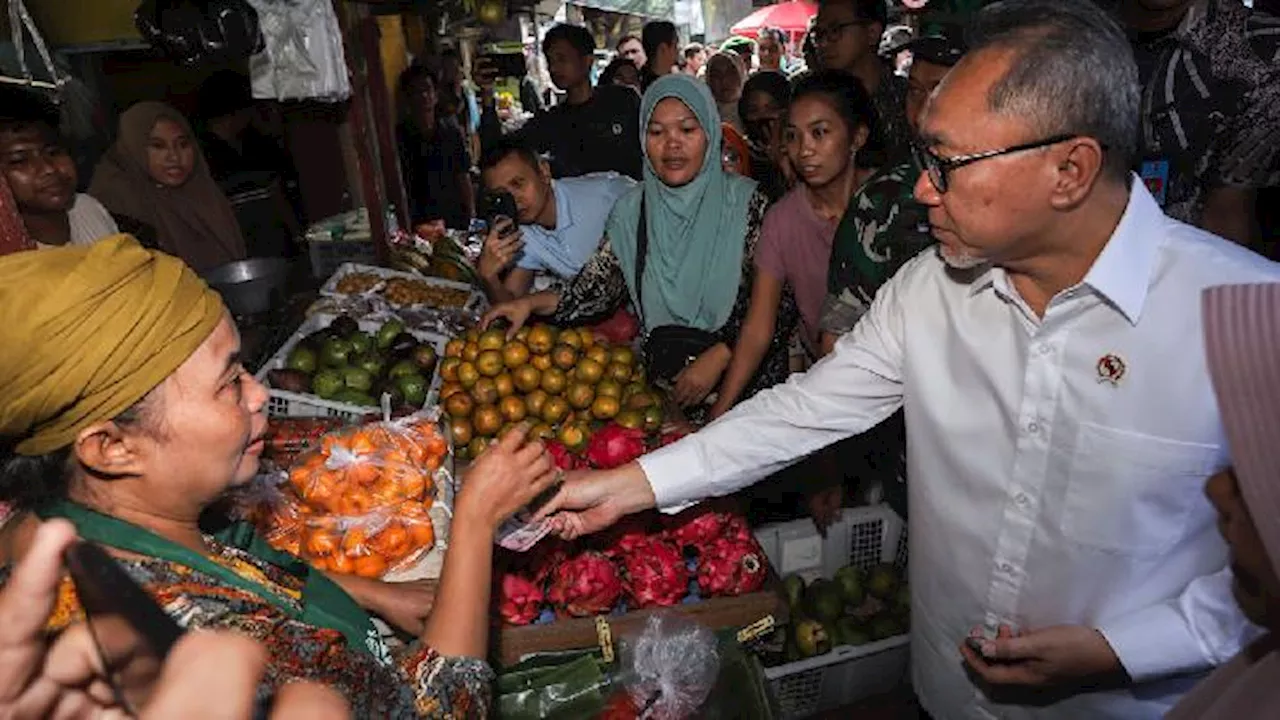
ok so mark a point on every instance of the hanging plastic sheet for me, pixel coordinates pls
(303, 57)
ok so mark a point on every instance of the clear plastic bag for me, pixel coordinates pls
(360, 502)
(671, 667)
(303, 56)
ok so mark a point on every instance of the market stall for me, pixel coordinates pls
(388, 387)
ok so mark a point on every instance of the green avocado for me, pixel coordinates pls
(327, 383)
(824, 600)
(413, 388)
(849, 579)
(360, 343)
(335, 352)
(357, 379)
(793, 586)
(303, 359)
(388, 332)
(882, 581)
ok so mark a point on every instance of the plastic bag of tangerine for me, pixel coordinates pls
(359, 503)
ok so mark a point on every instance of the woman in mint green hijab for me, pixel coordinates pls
(701, 226)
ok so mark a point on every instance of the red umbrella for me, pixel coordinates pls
(791, 17)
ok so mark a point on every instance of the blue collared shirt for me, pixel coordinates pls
(582, 207)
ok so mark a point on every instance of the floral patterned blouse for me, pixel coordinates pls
(601, 287)
(413, 682)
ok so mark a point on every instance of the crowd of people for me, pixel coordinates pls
(1017, 279)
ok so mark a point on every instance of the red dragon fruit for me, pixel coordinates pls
(545, 556)
(520, 599)
(614, 446)
(561, 456)
(625, 535)
(670, 437)
(730, 566)
(655, 574)
(697, 526)
(584, 585)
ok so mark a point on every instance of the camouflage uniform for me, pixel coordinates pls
(882, 229)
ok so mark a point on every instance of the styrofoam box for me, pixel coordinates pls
(330, 287)
(281, 403)
(863, 537)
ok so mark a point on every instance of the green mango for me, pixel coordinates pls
(360, 343)
(303, 359)
(849, 579)
(355, 397)
(403, 367)
(883, 581)
(357, 379)
(824, 600)
(413, 388)
(793, 586)
(327, 383)
(811, 638)
(388, 332)
(335, 353)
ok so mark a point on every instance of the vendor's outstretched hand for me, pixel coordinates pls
(515, 312)
(592, 501)
(1053, 656)
(507, 476)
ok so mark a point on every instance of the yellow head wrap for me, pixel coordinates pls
(86, 332)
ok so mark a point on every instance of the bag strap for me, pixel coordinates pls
(642, 252)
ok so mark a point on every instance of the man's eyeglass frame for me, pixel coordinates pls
(938, 167)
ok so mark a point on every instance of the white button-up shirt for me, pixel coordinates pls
(1056, 464)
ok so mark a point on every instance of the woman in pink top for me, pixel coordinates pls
(828, 120)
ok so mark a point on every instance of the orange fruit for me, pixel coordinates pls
(459, 405)
(461, 432)
(535, 400)
(512, 408)
(471, 335)
(541, 339)
(640, 401)
(630, 418)
(555, 410)
(476, 447)
(341, 564)
(542, 431)
(470, 351)
(541, 362)
(449, 389)
(580, 396)
(468, 374)
(588, 337)
(370, 566)
(609, 388)
(526, 378)
(564, 356)
(623, 355)
(599, 354)
(491, 339)
(449, 369)
(487, 420)
(515, 354)
(485, 392)
(605, 407)
(421, 533)
(523, 333)
(506, 386)
(571, 338)
(320, 541)
(554, 381)
(454, 347)
(589, 371)
(574, 436)
(489, 363)
(619, 372)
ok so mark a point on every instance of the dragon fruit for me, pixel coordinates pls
(697, 526)
(614, 446)
(655, 574)
(625, 535)
(545, 556)
(520, 599)
(560, 454)
(731, 566)
(584, 585)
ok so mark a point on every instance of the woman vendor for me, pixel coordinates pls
(689, 233)
(126, 410)
(156, 174)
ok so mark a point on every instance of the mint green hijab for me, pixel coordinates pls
(697, 232)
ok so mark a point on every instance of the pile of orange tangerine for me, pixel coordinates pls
(561, 381)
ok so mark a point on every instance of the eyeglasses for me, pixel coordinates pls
(822, 34)
(938, 167)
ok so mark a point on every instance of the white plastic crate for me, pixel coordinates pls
(281, 403)
(864, 537)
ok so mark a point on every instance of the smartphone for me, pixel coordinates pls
(501, 204)
(132, 633)
(506, 64)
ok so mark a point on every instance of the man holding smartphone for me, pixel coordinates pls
(544, 227)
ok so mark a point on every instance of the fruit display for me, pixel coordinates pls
(400, 290)
(644, 561)
(855, 607)
(344, 363)
(358, 502)
(287, 438)
(572, 385)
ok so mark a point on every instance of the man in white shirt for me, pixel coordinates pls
(1060, 418)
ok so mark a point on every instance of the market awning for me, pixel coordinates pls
(644, 8)
(791, 17)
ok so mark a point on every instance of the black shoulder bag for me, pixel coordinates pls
(670, 348)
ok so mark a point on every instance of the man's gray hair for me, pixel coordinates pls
(1073, 72)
